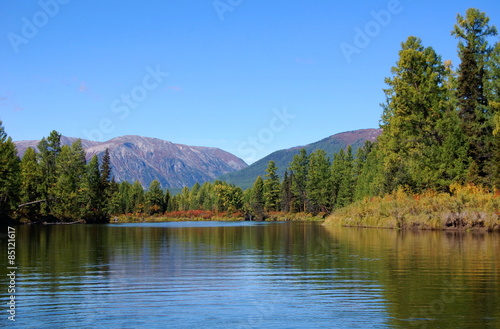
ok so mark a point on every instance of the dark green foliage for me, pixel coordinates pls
(422, 144)
(342, 179)
(476, 79)
(272, 188)
(282, 158)
(31, 179)
(299, 168)
(257, 199)
(286, 193)
(155, 198)
(9, 175)
(94, 202)
(318, 185)
(136, 198)
(70, 175)
(49, 149)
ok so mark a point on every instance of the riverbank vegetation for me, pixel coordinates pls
(464, 208)
(436, 164)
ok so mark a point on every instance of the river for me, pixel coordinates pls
(251, 275)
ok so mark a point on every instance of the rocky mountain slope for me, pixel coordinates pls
(146, 159)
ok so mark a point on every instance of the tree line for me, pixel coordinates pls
(440, 126)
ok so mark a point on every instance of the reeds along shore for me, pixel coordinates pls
(466, 207)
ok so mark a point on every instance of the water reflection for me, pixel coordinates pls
(251, 275)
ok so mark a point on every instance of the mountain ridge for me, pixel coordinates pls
(145, 159)
(331, 144)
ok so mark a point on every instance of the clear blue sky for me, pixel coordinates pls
(248, 76)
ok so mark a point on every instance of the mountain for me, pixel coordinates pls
(246, 177)
(146, 159)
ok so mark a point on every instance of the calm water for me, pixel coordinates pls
(252, 275)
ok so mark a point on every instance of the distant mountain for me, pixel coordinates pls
(331, 145)
(146, 159)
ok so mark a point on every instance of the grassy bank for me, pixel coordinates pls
(465, 208)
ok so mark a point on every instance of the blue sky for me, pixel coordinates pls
(247, 76)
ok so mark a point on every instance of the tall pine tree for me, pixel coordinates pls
(476, 115)
(9, 174)
(272, 188)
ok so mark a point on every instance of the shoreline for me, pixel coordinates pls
(466, 208)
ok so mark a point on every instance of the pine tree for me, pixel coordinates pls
(345, 191)
(299, 168)
(475, 113)
(167, 201)
(272, 188)
(49, 149)
(70, 172)
(136, 197)
(371, 177)
(193, 197)
(257, 199)
(184, 199)
(31, 179)
(205, 197)
(121, 199)
(286, 193)
(418, 122)
(93, 201)
(318, 187)
(154, 198)
(337, 171)
(9, 174)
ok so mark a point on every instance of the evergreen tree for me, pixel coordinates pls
(49, 149)
(154, 198)
(70, 173)
(206, 197)
(121, 199)
(272, 188)
(346, 187)
(286, 193)
(92, 199)
(418, 121)
(136, 195)
(318, 186)
(184, 199)
(371, 177)
(337, 171)
(299, 168)
(167, 201)
(106, 170)
(475, 113)
(9, 174)
(493, 92)
(257, 199)
(31, 179)
(193, 197)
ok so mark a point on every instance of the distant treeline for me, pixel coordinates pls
(440, 127)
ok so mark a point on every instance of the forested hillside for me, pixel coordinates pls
(244, 178)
